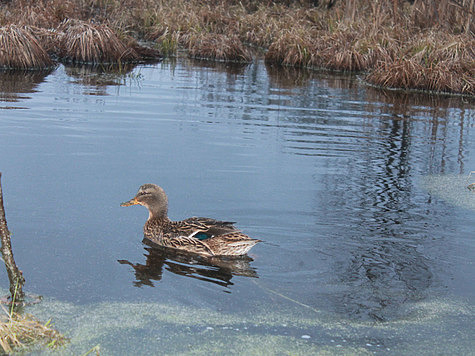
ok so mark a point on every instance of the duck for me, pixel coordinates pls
(199, 235)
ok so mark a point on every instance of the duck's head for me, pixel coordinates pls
(153, 198)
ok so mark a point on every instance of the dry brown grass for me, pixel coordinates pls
(455, 16)
(85, 42)
(48, 39)
(353, 35)
(20, 332)
(19, 49)
(41, 13)
(444, 63)
(292, 48)
(218, 47)
(344, 49)
(269, 23)
(393, 49)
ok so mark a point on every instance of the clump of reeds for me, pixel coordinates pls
(270, 22)
(20, 49)
(20, 332)
(435, 62)
(342, 47)
(48, 38)
(86, 42)
(411, 74)
(168, 42)
(218, 47)
(42, 13)
(292, 48)
(357, 35)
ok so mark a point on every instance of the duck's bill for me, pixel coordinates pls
(133, 201)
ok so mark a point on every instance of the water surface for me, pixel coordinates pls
(344, 183)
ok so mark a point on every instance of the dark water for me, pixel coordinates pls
(328, 172)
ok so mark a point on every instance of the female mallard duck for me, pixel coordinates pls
(204, 236)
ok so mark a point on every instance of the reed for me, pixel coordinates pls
(86, 42)
(20, 332)
(292, 48)
(268, 23)
(20, 49)
(355, 35)
(168, 42)
(443, 63)
(47, 38)
(218, 47)
(41, 13)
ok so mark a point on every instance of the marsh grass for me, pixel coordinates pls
(443, 63)
(376, 37)
(20, 49)
(86, 42)
(20, 332)
(168, 42)
(46, 14)
(400, 48)
(218, 47)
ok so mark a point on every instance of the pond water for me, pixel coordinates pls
(358, 194)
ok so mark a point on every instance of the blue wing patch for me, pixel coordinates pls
(201, 236)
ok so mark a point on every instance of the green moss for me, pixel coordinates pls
(148, 328)
(451, 188)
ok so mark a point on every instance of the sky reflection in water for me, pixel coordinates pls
(324, 170)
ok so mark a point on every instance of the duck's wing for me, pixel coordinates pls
(189, 243)
(208, 237)
(233, 243)
(203, 228)
(200, 221)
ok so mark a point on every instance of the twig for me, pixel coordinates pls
(15, 276)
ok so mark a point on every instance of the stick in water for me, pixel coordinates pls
(14, 274)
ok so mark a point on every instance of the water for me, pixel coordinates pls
(358, 194)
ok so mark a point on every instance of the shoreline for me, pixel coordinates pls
(399, 48)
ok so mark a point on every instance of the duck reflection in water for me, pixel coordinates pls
(218, 270)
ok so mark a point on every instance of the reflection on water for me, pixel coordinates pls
(292, 78)
(97, 78)
(330, 173)
(218, 270)
(389, 224)
(14, 84)
(230, 68)
(436, 113)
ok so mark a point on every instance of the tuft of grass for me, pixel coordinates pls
(292, 48)
(41, 13)
(168, 42)
(20, 49)
(86, 42)
(21, 332)
(381, 37)
(443, 63)
(218, 47)
(48, 38)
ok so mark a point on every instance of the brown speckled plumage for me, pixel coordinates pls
(204, 236)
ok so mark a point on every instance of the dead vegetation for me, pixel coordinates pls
(85, 42)
(382, 37)
(20, 49)
(432, 62)
(218, 47)
(20, 332)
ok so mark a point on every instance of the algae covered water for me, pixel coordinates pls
(358, 195)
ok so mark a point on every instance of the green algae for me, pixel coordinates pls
(452, 189)
(119, 328)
